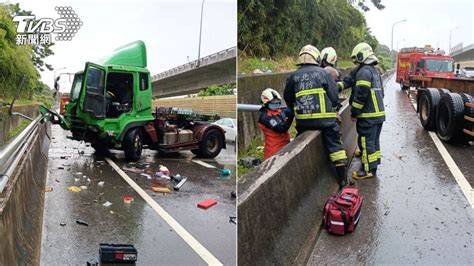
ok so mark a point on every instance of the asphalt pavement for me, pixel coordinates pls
(414, 212)
(65, 242)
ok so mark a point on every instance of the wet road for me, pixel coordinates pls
(414, 212)
(136, 223)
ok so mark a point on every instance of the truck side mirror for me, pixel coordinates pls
(458, 66)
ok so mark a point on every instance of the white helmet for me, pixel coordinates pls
(309, 55)
(362, 52)
(329, 56)
(269, 95)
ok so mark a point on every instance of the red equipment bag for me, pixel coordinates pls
(341, 212)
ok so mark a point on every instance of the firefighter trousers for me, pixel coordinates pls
(369, 144)
(333, 143)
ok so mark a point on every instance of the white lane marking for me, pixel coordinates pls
(204, 164)
(185, 235)
(453, 167)
(458, 175)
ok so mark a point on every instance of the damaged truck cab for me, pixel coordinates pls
(110, 106)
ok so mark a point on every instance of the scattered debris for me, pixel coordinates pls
(233, 219)
(112, 212)
(161, 189)
(127, 199)
(436, 208)
(61, 168)
(176, 178)
(78, 173)
(81, 222)
(88, 180)
(180, 184)
(63, 157)
(48, 189)
(207, 203)
(56, 180)
(74, 189)
(133, 170)
(86, 203)
(62, 224)
(164, 170)
(250, 161)
(233, 194)
(83, 187)
(107, 204)
(101, 183)
(225, 172)
(76, 179)
(146, 175)
(386, 213)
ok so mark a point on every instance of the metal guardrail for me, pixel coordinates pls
(11, 153)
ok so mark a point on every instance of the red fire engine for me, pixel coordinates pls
(426, 62)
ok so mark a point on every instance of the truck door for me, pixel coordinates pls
(94, 99)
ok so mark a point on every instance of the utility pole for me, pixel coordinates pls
(391, 45)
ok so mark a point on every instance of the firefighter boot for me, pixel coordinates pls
(341, 176)
(362, 174)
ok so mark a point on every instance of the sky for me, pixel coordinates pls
(428, 22)
(170, 30)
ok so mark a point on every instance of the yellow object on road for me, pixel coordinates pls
(161, 189)
(74, 189)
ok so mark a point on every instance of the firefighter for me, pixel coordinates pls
(367, 107)
(274, 122)
(328, 57)
(311, 93)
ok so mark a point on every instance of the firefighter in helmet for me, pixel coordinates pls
(274, 122)
(312, 95)
(367, 107)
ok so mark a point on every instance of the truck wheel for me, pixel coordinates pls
(450, 118)
(469, 111)
(100, 149)
(211, 144)
(132, 145)
(403, 87)
(443, 91)
(427, 107)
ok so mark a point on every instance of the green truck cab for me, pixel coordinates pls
(110, 106)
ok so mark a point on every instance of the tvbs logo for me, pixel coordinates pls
(38, 31)
(27, 24)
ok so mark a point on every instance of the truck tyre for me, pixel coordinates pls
(132, 145)
(403, 87)
(468, 111)
(211, 144)
(443, 91)
(450, 118)
(427, 108)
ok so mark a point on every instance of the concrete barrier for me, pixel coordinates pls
(22, 202)
(280, 202)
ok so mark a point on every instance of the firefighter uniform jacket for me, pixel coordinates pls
(312, 95)
(275, 125)
(367, 97)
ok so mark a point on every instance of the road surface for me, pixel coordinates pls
(415, 211)
(136, 223)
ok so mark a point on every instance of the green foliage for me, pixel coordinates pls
(226, 89)
(17, 61)
(40, 51)
(252, 150)
(16, 130)
(268, 28)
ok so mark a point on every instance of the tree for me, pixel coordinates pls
(40, 51)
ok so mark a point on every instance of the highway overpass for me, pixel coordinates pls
(214, 69)
(464, 56)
